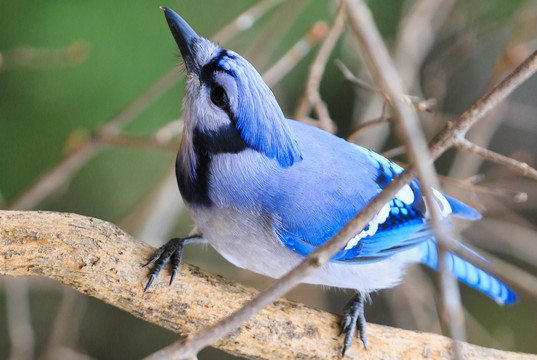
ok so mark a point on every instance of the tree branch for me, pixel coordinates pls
(520, 167)
(99, 259)
(312, 96)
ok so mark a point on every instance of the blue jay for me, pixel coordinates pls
(265, 191)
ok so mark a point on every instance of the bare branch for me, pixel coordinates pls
(33, 57)
(349, 76)
(311, 96)
(149, 142)
(56, 177)
(98, 259)
(422, 105)
(520, 167)
(514, 195)
(427, 16)
(19, 322)
(364, 125)
(396, 151)
(299, 50)
(245, 20)
(422, 21)
(458, 129)
(417, 104)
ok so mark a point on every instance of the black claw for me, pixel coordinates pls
(175, 262)
(353, 318)
(149, 282)
(171, 252)
(174, 272)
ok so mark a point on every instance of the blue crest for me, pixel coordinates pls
(259, 118)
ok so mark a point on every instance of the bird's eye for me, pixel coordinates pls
(219, 96)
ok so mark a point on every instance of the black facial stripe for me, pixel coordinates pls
(225, 139)
(212, 66)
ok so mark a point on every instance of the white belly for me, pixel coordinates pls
(249, 242)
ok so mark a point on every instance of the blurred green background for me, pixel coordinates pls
(69, 67)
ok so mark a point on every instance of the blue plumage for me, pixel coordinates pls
(265, 191)
(258, 116)
(469, 274)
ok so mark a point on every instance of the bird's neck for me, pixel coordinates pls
(196, 152)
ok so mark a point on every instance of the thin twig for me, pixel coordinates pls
(429, 16)
(396, 151)
(499, 233)
(275, 29)
(418, 104)
(19, 322)
(170, 130)
(422, 21)
(520, 167)
(312, 96)
(299, 50)
(133, 141)
(458, 129)
(423, 105)
(514, 195)
(56, 177)
(33, 57)
(380, 120)
(67, 323)
(141, 102)
(245, 20)
(349, 76)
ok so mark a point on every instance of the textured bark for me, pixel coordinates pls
(99, 259)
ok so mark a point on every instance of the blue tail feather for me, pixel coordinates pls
(460, 209)
(470, 274)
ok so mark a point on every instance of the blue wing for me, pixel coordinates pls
(351, 175)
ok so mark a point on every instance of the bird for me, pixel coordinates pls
(265, 190)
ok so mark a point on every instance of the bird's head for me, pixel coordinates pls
(224, 91)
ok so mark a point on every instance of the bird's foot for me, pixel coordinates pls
(353, 317)
(171, 252)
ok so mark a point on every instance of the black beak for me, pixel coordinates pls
(185, 38)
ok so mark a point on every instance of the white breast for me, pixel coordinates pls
(248, 241)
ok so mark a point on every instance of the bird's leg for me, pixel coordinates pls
(171, 252)
(353, 317)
